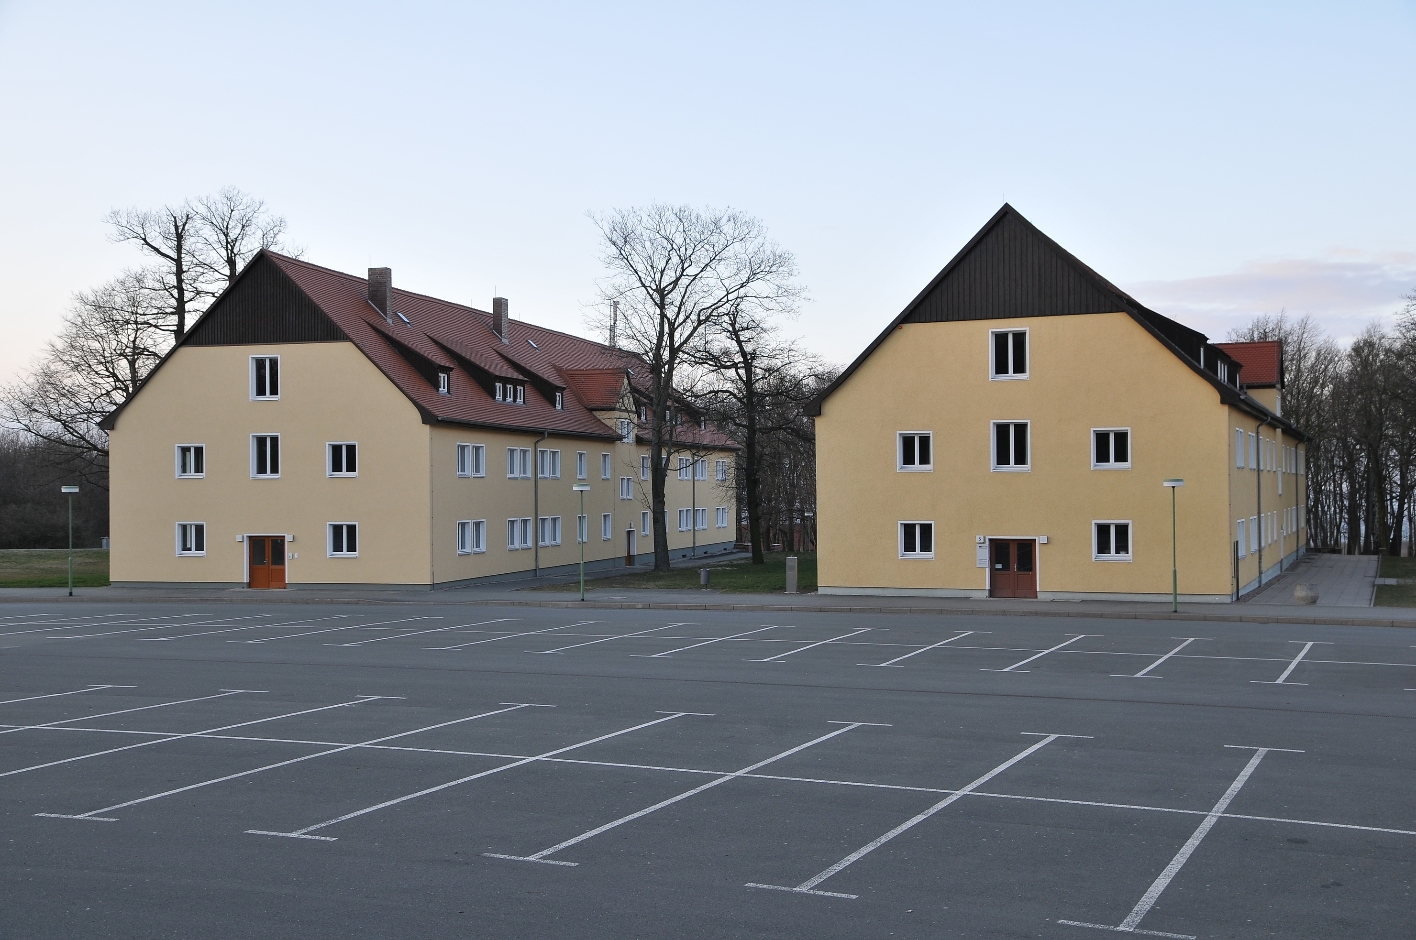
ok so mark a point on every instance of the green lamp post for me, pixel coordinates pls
(582, 533)
(69, 491)
(1173, 485)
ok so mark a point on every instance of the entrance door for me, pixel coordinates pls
(267, 554)
(1013, 573)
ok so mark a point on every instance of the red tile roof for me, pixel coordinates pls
(1261, 363)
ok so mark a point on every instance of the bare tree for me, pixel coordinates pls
(233, 226)
(168, 235)
(674, 272)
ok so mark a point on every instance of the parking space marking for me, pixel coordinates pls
(253, 626)
(399, 636)
(926, 649)
(780, 656)
(46, 626)
(348, 626)
(1282, 680)
(92, 688)
(305, 832)
(1132, 921)
(719, 639)
(809, 885)
(1145, 673)
(543, 856)
(606, 639)
(193, 734)
(122, 711)
(1054, 649)
(150, 627)
(95, 815)
(512, 636)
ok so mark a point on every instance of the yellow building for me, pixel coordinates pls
(1009, 433)
(317, 428)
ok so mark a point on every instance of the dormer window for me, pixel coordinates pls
(520, 394)
(560, 401)
(501, 390)
(444, 382)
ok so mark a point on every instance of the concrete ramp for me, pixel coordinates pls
(1341, 580)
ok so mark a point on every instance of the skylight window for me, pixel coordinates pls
(533, 344)
(402, 317)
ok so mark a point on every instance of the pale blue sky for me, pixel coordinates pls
(1218, 160)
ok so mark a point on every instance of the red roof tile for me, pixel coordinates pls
(1261, 364)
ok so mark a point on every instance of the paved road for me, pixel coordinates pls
(328, 771)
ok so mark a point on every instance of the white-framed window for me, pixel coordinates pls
(1111, 540)
(626, 488)
(550, 530)
(1253, 534)
(700, 519)
(499, 392)
(720, 470)
(548, 464)
(1302, 512)
(1253, 451)
(560, 401)
(520, 391)
(444, 382)
(685, 468)
(1280, 475)
(1302, 462)
(191, 461)
(191, 538)
(582, 529)
(464, 537)
(472, 460)
(510, 392)
(643, 466)
(1239, 527)
(685, 520)
(479, 535)
(1238, 448)
(1008, 354)
(1010, 445)
(343, 539)
(518, 463)
(626, 431)
(1111, 448)
(518, 534)
(700, 468)
(464, 460)
(265, 456)
(644, 522)
(607, 526)
(722, 517)
(916, 539)
(342, 459)
(265, 378)
(606, 467)
(582, 465)
(914, 450)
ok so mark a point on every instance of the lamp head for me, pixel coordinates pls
(68, 489)
(580, 487)
(1172, 483)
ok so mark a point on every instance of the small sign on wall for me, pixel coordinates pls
(981, 560)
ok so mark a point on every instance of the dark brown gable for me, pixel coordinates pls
(264, 306)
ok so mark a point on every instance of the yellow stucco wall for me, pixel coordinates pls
(1272, 488)
(1092, 371)
(329, 392)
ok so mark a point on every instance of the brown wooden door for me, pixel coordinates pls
(1013, 568)
(267, 561)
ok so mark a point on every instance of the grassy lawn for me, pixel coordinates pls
(1395, 595)
(1397, 567)
(736, 577)
(50, 567)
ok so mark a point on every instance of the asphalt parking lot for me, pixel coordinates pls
(206, 770)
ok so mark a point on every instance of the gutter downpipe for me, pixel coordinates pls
(536, 502)
(1259, 491)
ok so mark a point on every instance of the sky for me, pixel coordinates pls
(1216, 160)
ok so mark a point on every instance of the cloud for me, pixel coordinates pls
(1344, 292)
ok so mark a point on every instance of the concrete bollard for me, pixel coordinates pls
(791, 574)
(703, 576)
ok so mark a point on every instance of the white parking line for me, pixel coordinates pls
(47, 628)
(160, 626)
(543, 855)
(1144, 673)
(193, 734)
(303, 621)
(92, 688)
(1054, 649)
(122, 711)
(695, 646)
(349, 626)
(1147, 901)
(305, 833)
(1281, 680)
(606, 639)
(94, 815)
(780, 656)
(926, 649)
(809, 885)
(511, 636)
(399, 636)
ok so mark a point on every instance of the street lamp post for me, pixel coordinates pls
(70, 491)
(1173, 485)
(582, 535)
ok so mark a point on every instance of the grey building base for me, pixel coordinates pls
(1041, 595)
(1274, 571)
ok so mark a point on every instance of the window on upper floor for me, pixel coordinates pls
(914, 450)
(560, 401)
(1253, 451)
(265, 456)
(626, 431)
(582, 465)
(1010, 445)
(607, 526)
(626, 488)
(191, 538)
(916, 539)
(643, 466)
(605, 467)
(444, 382)
(1111, 448)
(644, 522)
(700, 468)
(685, 468)
(518, 463)
(265, 378)
(548, 464)
(191, 460)
(342, 459)
(1009, 358)
(550, 530)
(720, 470)
(471, 460)
(1239, 448)
(1111, 541)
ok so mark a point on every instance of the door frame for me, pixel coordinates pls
(1037, 559)
(246, 553)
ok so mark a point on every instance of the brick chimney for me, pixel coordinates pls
(381, 291)
(500, 315)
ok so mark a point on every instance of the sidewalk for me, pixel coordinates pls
(1341, 581)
